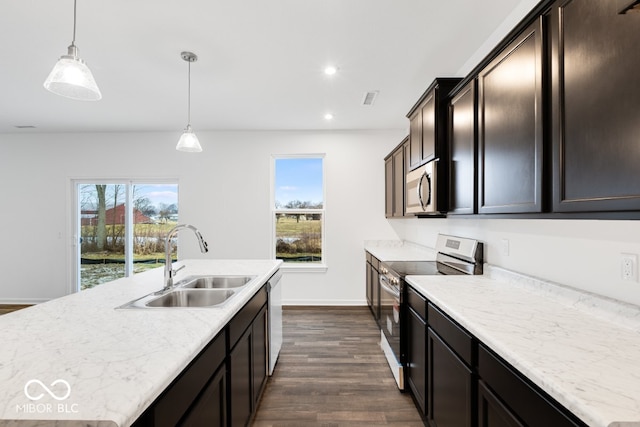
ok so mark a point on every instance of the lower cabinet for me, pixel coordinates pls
(459, 382)
(450, 379)
(199, 392)
(416, 372)
(373, 285)
(248, 371)
(223, 384)
(211, 407)
(247, 360)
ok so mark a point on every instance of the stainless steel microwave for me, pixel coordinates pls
(420, 190)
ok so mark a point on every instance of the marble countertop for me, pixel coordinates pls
(399, 250)
(96, 365)
(581, 349)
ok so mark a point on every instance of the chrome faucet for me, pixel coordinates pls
(169, 272)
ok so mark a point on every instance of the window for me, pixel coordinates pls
(298, 209)
(121, 228)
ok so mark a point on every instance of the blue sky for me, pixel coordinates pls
(298, 179)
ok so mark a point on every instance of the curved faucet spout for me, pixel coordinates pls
(169, 272)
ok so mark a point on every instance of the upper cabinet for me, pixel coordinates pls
(463, 147)
(428, 123)
(394, 170)
(510, 127)
(595, 84)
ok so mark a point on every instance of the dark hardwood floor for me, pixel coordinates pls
(332, 372)
(8, 308)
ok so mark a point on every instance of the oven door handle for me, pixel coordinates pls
(389, 289)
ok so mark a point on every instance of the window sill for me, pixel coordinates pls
(306, 268)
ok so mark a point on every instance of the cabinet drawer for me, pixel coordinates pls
(456, 337)
(532, 406)
(417, 302)
(245, 316)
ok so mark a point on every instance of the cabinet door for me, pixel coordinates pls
(259, 356)
(398, 183)
(417, 358)
(510, 127)
(429, 127)
(369, 288)
(240, 378)
(375, 291)
(595, 102)
(210, 408)
(388, 187)
(450, 386)
(415, 139)
(463, 151)
(491, 412)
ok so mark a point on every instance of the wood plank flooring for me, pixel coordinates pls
(8, 308)
(331, 372)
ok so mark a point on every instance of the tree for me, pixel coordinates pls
(101, 231)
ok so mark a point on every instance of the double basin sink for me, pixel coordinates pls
(194, 291)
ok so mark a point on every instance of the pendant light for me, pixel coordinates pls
(189, 141)
(70, 76)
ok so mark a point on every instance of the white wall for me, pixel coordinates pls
(584, 254)
(224, 191)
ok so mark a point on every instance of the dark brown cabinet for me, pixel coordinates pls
(507, 399)
(595, 104)
(373, 285)
(195, 393)
(450, 380)
(428, 124)
(210, 408)
(492, 412)
(394, 171)
(416, 371)
(463, 147)
(510, 127)
(247, 359)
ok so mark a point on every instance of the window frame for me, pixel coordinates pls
(299, 266)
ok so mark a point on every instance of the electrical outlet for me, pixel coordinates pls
(505, 246)
(629, 263)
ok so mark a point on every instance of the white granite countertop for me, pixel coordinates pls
(582, 349)
(399, 250)
(116, 362)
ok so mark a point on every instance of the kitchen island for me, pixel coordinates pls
(80, 361)
(581, 349)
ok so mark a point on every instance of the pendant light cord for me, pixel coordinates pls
(189, 97)
(73, 41)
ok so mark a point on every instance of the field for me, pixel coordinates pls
(298, 239)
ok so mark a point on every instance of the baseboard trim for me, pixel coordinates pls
(22, 301)
(325, 303)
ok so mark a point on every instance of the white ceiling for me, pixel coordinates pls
(260, 62)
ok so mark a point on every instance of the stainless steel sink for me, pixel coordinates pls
(207, 291)
(191, 298)
(215, 282)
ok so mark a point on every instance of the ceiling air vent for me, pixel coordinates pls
(369, 98)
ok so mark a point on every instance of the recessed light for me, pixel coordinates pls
(328, 116)
(330, 70)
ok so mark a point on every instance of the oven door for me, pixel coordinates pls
(390, 318)
(420, 189)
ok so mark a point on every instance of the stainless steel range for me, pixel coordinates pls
(455, 256)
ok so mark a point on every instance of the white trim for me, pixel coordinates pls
(315, 302)
(303, 267)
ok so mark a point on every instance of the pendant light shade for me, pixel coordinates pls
(189, 141)
(70, 76)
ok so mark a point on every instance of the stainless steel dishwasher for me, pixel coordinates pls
(275, 319)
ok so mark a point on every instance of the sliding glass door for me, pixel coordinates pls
(121, 228)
